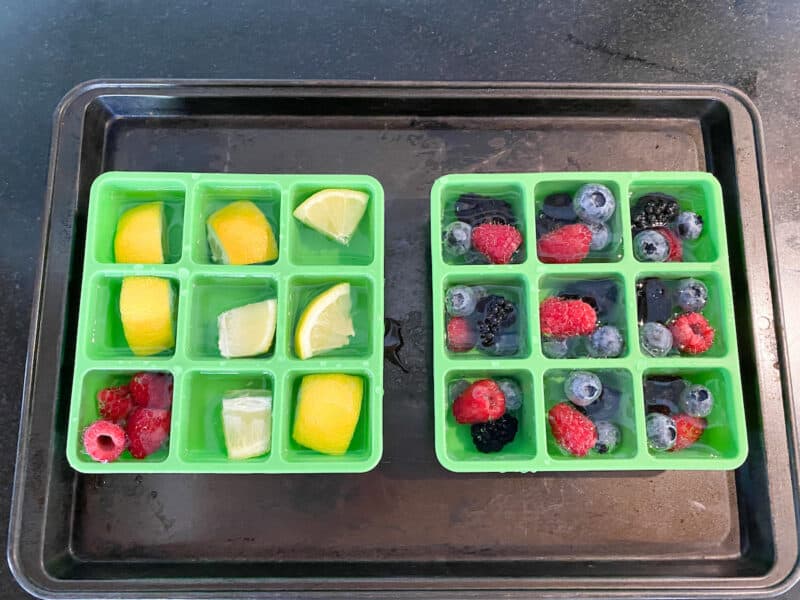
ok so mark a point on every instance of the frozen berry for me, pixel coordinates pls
(569, 244)
(689, 225)
(651, 246)
(662, 393)
(494, 435)
(495, 315)
(697, 401)
(594, 203)
(605, 342)
(114, 403)
(675, 244)
(559, 207)
(571, 429)
(691, 295)
(455, 389)
(460, 301)
(582, 388)
(104, 441)
(475, 209)
(147, 430)
(457, 238)
(480, 402)
(564, 318)
(152, 390)
(601, 236)
(655, 339)
(601, 294)
(461, 336)
(498, 243)
(691, 333)
(689, 429)
(512, 392)
(555, 347)
(654, 210)
(661, 431)
(653, 300)
(606, 406)
(504, 344)
(608, 436)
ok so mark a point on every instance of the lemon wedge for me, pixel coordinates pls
(140, 235)
(247, 330)
(239, 234)
(145, 308)
(333, 212)
(328, 406)
(246, 424)
(326, 323)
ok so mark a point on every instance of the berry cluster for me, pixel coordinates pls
(485, 230)
(485, 406)
(479, 319)
(660, 228)
(676, 412)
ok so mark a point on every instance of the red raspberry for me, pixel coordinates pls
(497, 242)
(114, 403)
(152, 390)
(572, 430)
(104, 441)
(691, 333)
(675, 244)
(481, 402)
(147, 430)
(460, 335)
(689, 430)
(568, 244)
(564, 318)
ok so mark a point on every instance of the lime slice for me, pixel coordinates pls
(328, 406)
(247, 330)
(326, 323)
(145, 309)
(239, 234)
(246, 423)
(139, 236)
(333, 212)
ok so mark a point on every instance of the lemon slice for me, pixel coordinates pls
(247, 330)
(333, 212)
(140, 235)
(246, 424)
(239, 234)
(145, 308)
(326, 323)
(328, 406)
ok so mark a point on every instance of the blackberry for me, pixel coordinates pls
(493, 435)
(497, 314)
(475, 209)
(654, 210)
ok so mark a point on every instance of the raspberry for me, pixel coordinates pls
(147, 430)
(492, 436)
(675, 244)
(152, 390)
(460, 335)
(691, 333)
(104, 441)
(497, 242)
(481, 402)
(568, 244)
(689, 430)
(565, 318)
(573, 431)
(114, 403)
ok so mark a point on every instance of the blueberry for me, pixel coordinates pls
(606, 406)
(661, 431)
(475, 209)
(505, 344)
(653, 300)
(460, 301)
(605, 342)
(650, 245)
(512, 392)
(697, 400)
(559, 207)
(601, 236)
(601, 294)
(455, 389)
(457, 238)
(608, 436)
(655, 339)
(594, 203)
(555, 347)
(582, 388)
(689, 225)
(662, 393)
(691, 295)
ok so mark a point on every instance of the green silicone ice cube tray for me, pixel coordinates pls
(528, 281)
(308, 263)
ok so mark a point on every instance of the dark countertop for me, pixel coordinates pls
(47, 47)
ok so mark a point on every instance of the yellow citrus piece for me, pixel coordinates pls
(328, 406)
(247, 330)
(246, 424)
(239, 234)
(333, 212)
(140, 235)
(145, 308)
(326, 323)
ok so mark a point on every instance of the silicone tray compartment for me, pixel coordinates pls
(203, 290)
(723, 445)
